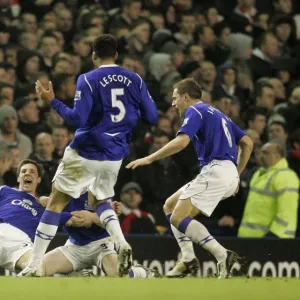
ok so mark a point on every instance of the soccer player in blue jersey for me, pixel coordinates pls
(88, 245)
(20, 213)
(108, 103)
(216, 140)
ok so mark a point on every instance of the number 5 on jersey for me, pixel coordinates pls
(115, 102)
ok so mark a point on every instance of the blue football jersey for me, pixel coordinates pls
(108, 103)
(20, 209)
(213, 134)
(80, 235)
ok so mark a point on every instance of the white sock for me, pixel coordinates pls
(110, 221)
(137, 272)
(200, 235)
(185, 244)
(43, 236)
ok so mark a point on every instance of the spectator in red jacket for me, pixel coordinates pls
(133, 219)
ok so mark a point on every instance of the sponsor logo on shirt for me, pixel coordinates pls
(27, 204)
(77, 95)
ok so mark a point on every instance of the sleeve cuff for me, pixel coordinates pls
(64, 218)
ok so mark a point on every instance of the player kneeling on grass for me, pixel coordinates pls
(87, 246)
(20, 213)
(216, 139)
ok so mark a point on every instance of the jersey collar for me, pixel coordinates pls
(108, 66)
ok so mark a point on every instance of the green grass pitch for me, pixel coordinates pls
(144, 289)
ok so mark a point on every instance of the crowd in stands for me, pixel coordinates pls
(244, 53)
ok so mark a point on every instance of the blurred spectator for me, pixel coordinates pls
(43, 154)
(195, 53)
(10, 177)
(28, 40)
(257, 120)
(293, 156)
(207, 76)
(164, 124)
(131, 10)
(28, 114)
(133, 219)
(29, 62)
(61, 138)
(11, 54)
(28, 22)
(160, 179)
(48, 46)
(187, 28)
(65, 24)
(243, 16)
(228, 86)
(222, 103)
(53, 119)
(265, 96)
(277, 130)
(283, 6)
(5, 161)
(10, 135)
(272, 204)
(64, 87)
(8, 91)
(279, 90)
(291, 110)
(283, 31)
(262, 57)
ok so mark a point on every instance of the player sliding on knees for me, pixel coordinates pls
(20, 213)
(88, 245)
(216, 140)
(108, 103)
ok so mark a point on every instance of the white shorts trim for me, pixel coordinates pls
(86, 256)
(75, 175)
(216, 181)
(14, 243)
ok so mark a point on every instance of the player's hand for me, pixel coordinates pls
(139, 162)
(117, 207)
(43, 200)
(75, 222)
(86, 217)
(46, 95)
(226, 221)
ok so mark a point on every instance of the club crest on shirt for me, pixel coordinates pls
(185, 121)
(77, 95)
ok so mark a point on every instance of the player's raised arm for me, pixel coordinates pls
(148, 108)
(83, 102)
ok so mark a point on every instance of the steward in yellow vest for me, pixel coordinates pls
(272, 203)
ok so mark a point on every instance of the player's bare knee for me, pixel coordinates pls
(176, 218)
(169, 205)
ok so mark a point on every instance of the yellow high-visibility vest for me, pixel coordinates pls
(272, 203)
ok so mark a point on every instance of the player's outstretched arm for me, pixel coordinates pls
(246, 146)
(176, 145)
